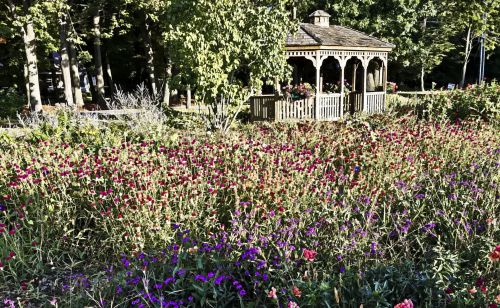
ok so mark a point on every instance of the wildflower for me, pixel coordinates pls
(3, 208)
(472, 291)
(272, 293)
(407, 303)
(53, 302)
(242, 292)
(309, 255)
(292, 305)
(296, 292)
(495, 254)
(419, 196)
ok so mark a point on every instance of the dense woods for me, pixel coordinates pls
(105, 45)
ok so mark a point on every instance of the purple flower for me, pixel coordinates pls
(3, 208)
(219, 279)
(158, 285)
(242, 292)
(420, 196)
(200, 278)
(169, 280)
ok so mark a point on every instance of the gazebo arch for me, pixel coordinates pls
(318, 41)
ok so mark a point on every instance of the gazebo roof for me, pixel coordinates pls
(337, 36)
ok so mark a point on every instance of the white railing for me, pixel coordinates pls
(302, 109)
(262, 107)
(375, 102)
(329, 107)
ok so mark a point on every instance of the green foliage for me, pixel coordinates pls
(226, 48)
(476, 102)
(11, 103)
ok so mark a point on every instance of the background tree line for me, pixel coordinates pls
(205, 45)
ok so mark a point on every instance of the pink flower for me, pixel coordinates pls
(296, 292)
(293, 305)
(495, 254)
(407, 303)
(272, 293)
(309, 255)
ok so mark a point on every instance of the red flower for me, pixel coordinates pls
(296, 292)
(309, 255)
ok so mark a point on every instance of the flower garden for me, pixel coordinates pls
(379, 212)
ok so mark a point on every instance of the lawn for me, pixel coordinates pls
(368, 211)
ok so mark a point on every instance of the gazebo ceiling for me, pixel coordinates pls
(311, 35)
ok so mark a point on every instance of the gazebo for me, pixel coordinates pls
(349, 73)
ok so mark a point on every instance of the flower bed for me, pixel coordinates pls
(293, 215)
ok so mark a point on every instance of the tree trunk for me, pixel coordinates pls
(110, 74)
(27, 85)
(65, 63)
(150, 57)
(98, 60)
(188, 97)
(422, 72)
(31, 58)
(75, 76)
(422, 76)
(166, 90)
(468, 47)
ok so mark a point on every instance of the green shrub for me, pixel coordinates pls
(476, 102)
(11, 102)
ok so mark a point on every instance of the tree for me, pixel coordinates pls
(431, 40)
(22, 18)
(473, 18)
(226, 48)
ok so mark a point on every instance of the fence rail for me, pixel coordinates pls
(302, 109)
(375, 102)
(326, 107)
(329, 107)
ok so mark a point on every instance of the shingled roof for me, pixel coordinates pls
(315, 35)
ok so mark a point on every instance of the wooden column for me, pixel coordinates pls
(365, 75)
(384, 79)
(354, 73)
(318, 86)
(342, 86)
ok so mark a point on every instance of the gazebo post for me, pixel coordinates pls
(342, 86)
(365, 73)
(318, 86)
(384, 63)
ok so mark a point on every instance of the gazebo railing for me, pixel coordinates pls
(303, 109)
(329, 107)
(375, 102)
(262, 107)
